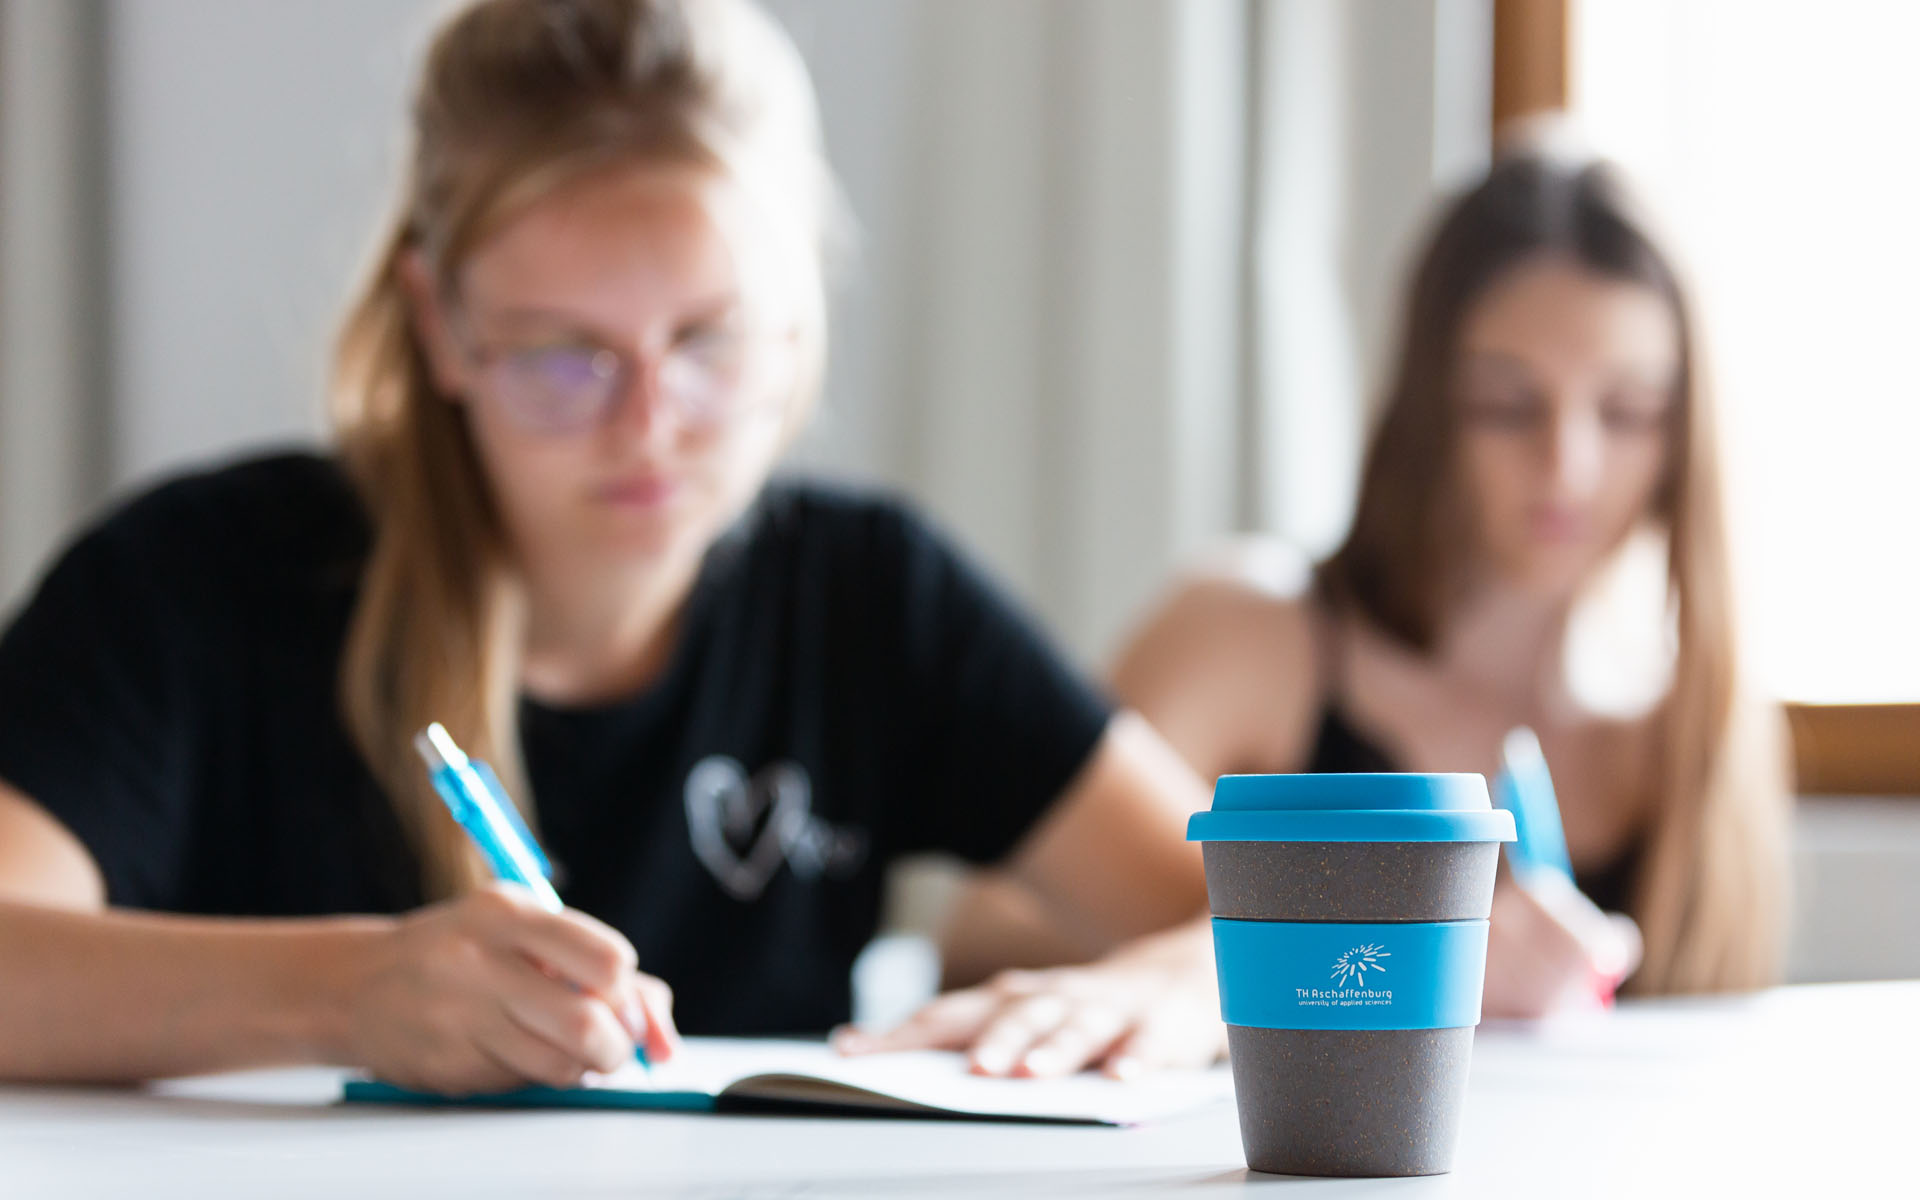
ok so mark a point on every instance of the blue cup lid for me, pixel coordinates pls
(1351, 808)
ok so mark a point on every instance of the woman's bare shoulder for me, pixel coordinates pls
(1232, 646)
(1245, 596)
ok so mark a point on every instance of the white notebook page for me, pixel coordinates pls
(926, 1078)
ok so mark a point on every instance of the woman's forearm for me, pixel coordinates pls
(118, 996)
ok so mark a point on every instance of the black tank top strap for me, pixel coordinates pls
(1338, 747)
(1329, 650)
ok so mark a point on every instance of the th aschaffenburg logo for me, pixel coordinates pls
(1350, 969)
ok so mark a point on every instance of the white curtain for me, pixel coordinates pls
(1367, 112)
(1128, 264)
(51, 295)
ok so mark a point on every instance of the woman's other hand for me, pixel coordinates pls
(1550, 949)
(1151, 1004)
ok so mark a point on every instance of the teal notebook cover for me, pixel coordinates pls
(372, 1091)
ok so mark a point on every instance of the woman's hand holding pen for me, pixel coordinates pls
(491, 991)
(1550, 949)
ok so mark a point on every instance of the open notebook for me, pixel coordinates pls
(755, 1075)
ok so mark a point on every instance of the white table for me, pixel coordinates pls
(1804, 1090)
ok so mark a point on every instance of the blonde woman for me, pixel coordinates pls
(727, 705)
(1547, 425)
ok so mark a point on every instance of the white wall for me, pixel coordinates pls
(251, 146)
(1856, 866)
(52, 391)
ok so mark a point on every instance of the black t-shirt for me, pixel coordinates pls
(845, 689)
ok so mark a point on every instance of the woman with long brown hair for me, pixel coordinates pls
(1547, 432)
(726, 704)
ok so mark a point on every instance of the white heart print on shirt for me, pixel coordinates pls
(743, 828)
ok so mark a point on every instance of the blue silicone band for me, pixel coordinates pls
(1328, 975)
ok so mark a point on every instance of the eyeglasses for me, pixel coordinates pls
(709, 378)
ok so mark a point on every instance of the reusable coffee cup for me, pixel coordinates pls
(1350, 937)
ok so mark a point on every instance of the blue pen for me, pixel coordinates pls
(475, 805)
(482, 808)
(1525, 788)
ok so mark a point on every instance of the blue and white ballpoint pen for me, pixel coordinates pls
(477, 801)
(1525, 788)
(484, 811)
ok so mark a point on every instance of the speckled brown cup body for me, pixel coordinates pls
(1350, 1102)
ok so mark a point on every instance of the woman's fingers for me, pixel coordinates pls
(605, 1006)
(1607, 945)
(1015, 1029)
(574, 1024)
(530, 1056)
(1053, 1023)
(1633, 947)
(1085, 1037)
(1541, 962)
(647, 1010)
(586, 953)
(1551, 919)
(1551, 948)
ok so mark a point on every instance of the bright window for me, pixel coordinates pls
(1782, 140)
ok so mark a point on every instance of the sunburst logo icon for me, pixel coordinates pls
(1352, 967)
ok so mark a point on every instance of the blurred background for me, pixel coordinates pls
(1122, 277)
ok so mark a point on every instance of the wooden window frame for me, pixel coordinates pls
(1856, 749)
(1532, 59)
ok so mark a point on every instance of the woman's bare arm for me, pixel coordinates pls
(98, 995)
(1225, 671)
(480, 993)
(1111, 861)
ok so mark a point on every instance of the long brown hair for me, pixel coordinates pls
(1710, 895)
(517, 98)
